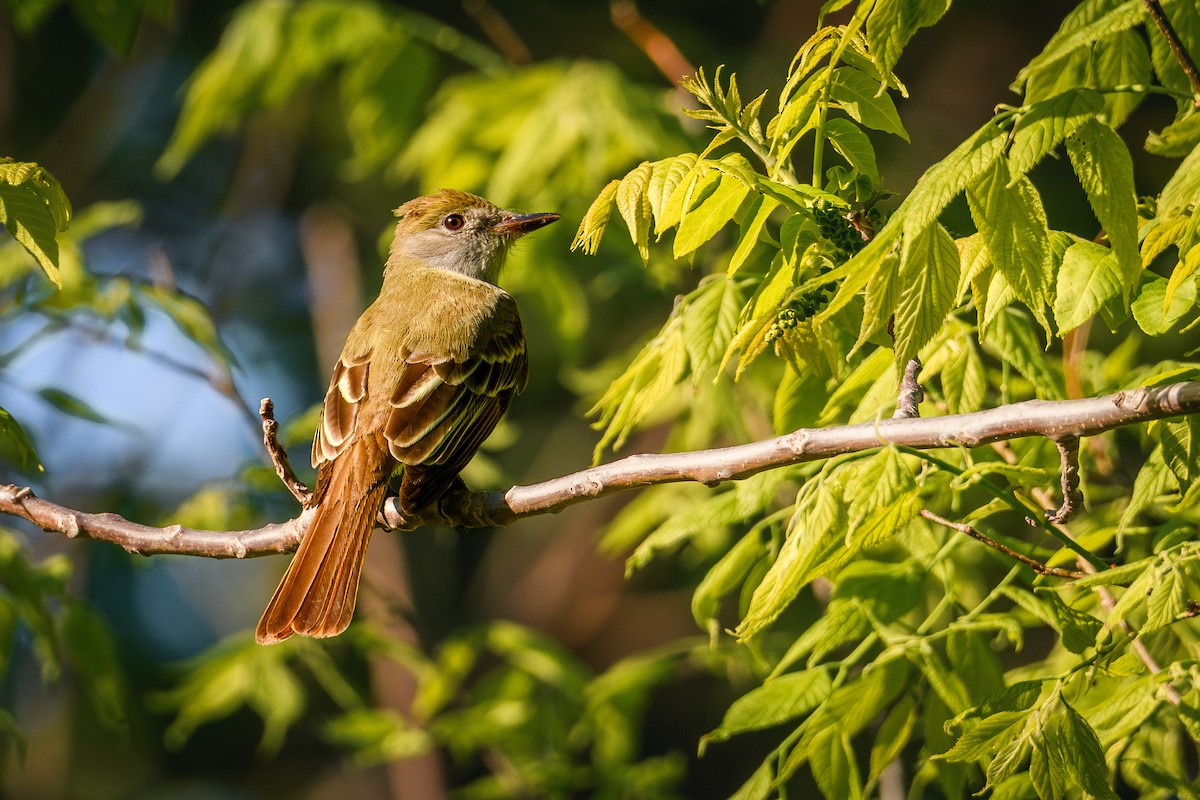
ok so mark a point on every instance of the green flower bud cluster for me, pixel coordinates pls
(846, 238)
(796, 311)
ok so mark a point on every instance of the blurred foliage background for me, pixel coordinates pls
(232, 166)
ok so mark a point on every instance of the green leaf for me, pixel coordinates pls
(1122, 59)
(652, 374)
(1089, 278)
(1044, 124)
(1150, 308)
(860, 96)
(779, 700)
(591, 227)
(815, 532)
(1180, 440)
(34, 209)
(928, 277)
(710, 320)
(1183, 274)
(1153, 480)
(378, 736)
(229, 677)
(726, 576)
(753, 225)
(92, 651)
(1177, 139)
(192, 318)
(72, 405)
(701, 222)
(1105, 171)
(1081, 747)
(889, 590)
(894, 735)
(892, 24)
(1013, 225)
(1183, 188)
(758, 785)
(831, 757)
(634, 205)
(16, 447)
(1074, 35)
(853, 145)
(1014, 340)
(1078, 628)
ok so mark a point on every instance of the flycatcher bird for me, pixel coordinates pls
(423, 378)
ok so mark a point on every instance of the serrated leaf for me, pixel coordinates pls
(591, 227)
(702, 222)
(1151, 310)
(777, 701)
(34, 209)
(1122, 59)
(753, 224)
(1088, 278)
(1072, 37)
(831, 756)
(1013, 225)
(1153, 480)
(1077, 628)
(859, 95)
(634, 205)
(710, 321)
(1180, 441)
(1182, 189)
(1086, 758)
(892, 24)
(815, 532)
(1183, 273)
(1012, 337)
(1177, 139)
(928, 277)
(1045, 124)
(1105, 171)
(853, 145)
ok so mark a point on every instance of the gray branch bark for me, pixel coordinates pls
(1053, 419)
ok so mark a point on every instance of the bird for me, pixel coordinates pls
(424, 376)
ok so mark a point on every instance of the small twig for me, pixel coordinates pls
(657, 46)
(502, 35)
(1181, 54)
(1032, 563)
(1072, 495)
(279, 457)
(911, 393)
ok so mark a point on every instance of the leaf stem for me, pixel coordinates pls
(1016, 505)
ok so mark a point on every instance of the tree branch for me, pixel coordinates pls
(1181, 54)
(1053, 419)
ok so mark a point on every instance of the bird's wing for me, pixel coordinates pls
(339, 415)
(443, 407)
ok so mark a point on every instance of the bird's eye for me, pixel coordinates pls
(453, 222)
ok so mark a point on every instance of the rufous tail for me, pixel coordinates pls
(317, 594)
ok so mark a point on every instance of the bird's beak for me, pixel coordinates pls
(515, 225)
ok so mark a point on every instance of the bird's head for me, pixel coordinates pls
(459, 232)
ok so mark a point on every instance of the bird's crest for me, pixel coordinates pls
(434, 206)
